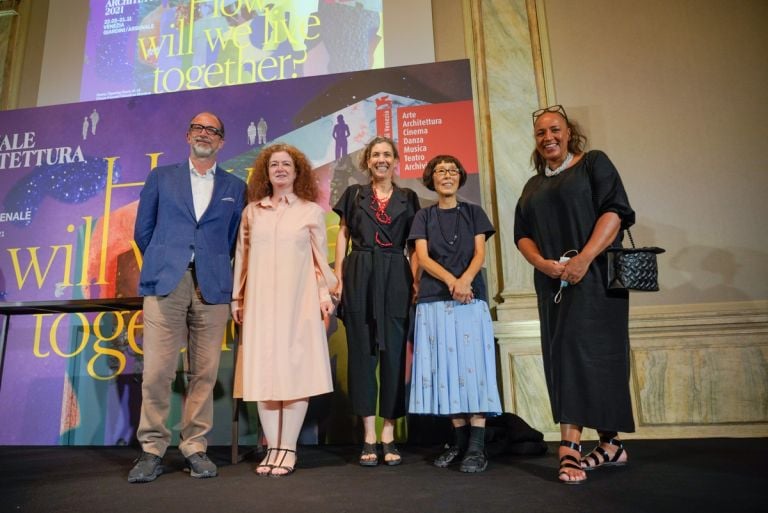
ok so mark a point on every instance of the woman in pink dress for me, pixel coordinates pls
(281, 297)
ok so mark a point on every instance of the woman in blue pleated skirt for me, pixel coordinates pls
(454, 362)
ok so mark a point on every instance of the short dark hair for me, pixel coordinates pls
(429, 170)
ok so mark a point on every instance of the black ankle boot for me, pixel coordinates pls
(456, 450)
(475, 459)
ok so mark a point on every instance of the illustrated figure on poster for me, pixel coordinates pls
(186, 229)
(376, 292)
(575, 206)
(251, 134)
(349, 49)
(94, 121)
(261, 129)
(85, 128)
(454, 353)
(282, 299)
(340, 134)
(288, 19)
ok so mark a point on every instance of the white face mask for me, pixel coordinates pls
(563, 259)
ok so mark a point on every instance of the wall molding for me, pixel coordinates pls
(697, 371)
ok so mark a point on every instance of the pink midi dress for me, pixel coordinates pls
(281, 275)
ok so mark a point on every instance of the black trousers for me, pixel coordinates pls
(363, 358)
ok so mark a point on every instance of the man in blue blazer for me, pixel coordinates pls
(186, 228)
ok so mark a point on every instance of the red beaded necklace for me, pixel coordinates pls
(379, 207)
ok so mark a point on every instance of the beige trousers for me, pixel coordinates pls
(171, 323)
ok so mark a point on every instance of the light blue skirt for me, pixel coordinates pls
(454, 360)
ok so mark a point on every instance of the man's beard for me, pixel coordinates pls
(202, 151)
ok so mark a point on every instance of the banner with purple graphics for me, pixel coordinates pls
(71, 177)
(159, 46)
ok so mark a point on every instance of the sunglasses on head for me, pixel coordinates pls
(553, 108)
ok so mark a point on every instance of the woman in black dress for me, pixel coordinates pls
(575, 207)
(376, 291)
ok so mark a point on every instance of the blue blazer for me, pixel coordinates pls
(168, 233)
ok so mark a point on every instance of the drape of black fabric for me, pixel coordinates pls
(376, 297)
(585, 337)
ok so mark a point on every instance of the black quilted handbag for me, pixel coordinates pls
(633, 268)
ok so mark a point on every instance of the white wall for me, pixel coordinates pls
(676, 92)
(63, 52)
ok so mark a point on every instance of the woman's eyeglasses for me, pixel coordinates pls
(447, 171)
(553, 108)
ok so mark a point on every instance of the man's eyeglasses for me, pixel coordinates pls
(450, 172)
(553, 108)
(210, 130)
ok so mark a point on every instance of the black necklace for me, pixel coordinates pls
(453, 239)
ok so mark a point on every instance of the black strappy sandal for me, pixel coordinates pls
(365, 459)
(391, 448)
(599, 457)
(267, 466)
(288, 468)
(450, 456)
(569, 461)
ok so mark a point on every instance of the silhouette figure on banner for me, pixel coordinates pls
(94, 121)
(261, 129)
(252, 134)
(340, 134)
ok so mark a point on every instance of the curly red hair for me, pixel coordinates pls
(305, 186)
